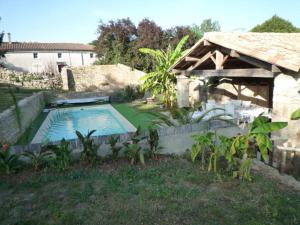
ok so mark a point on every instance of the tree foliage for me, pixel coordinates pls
(149, 35)
(119, 41)
(207, 25)
(114, 43)
(276, 24)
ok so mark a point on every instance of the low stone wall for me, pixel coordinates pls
(30, 80)
(173, 140)
(107, 78)
(30, 108)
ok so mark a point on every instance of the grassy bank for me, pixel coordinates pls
(172, 191)
(136, 113)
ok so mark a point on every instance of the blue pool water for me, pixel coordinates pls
(65, 122)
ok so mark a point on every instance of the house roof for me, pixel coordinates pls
(280, 49)
(36, 46)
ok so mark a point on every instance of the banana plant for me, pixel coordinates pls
(89, 152)
(161, 80)
(204, 145)
(258, 132)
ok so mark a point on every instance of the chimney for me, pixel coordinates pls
(9, 38)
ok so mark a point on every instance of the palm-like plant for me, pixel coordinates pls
(161, 80)
(37, 159)
(113, 141)
(8, 162)
(185, 116)
(89, 152)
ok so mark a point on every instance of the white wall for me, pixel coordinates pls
(24, 61)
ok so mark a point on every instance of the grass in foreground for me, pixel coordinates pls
(136, 113)
(172, 191)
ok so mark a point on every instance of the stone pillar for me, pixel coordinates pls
(183, 91)
(194, 89)
(64, 78)
(286, 99)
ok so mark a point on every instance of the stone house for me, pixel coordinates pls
(34, 57)
(259, 67)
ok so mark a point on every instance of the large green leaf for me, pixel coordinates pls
(196, 149)
(268, 127)
(264, 144)
(80, 136)
(239, 145)
(296, 115)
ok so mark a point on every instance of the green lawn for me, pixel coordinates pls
(171, 191)
(5, 98)
(136, 113)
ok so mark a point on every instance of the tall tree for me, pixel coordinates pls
(114, 44)
(276, 24)
(207, 25)
(149, 35)
(174, 35)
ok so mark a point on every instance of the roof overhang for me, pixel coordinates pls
(274, 60)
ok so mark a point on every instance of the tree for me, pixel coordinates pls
(174, 35)
(207, 25)
(114, 44)
(149, 35)
(161, 80)
(276, 24)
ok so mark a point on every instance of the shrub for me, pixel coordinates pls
(89, 152)
(134, 153)
(38, 159)
(62, 158)
(133, 150)
(238, 151)
(153, 141)
(113, 146)
(9, 162)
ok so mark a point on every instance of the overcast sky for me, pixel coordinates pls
(76, 20)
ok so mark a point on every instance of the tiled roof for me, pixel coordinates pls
(36, 46)
(281, 49)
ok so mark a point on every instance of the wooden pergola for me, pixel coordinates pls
(223, 56)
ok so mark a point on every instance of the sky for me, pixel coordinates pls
(76, 20)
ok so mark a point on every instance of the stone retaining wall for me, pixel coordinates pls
(172, 139)
(30, 80)
(107, 78)
(30, 108)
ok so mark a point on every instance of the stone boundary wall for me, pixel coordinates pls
(30, 80)
(182, 133)
(106, 78)
(30, 108)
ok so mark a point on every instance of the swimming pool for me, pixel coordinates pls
(63, 122)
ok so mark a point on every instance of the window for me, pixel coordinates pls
(35, 55)
(91, 55)
(59, 55)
